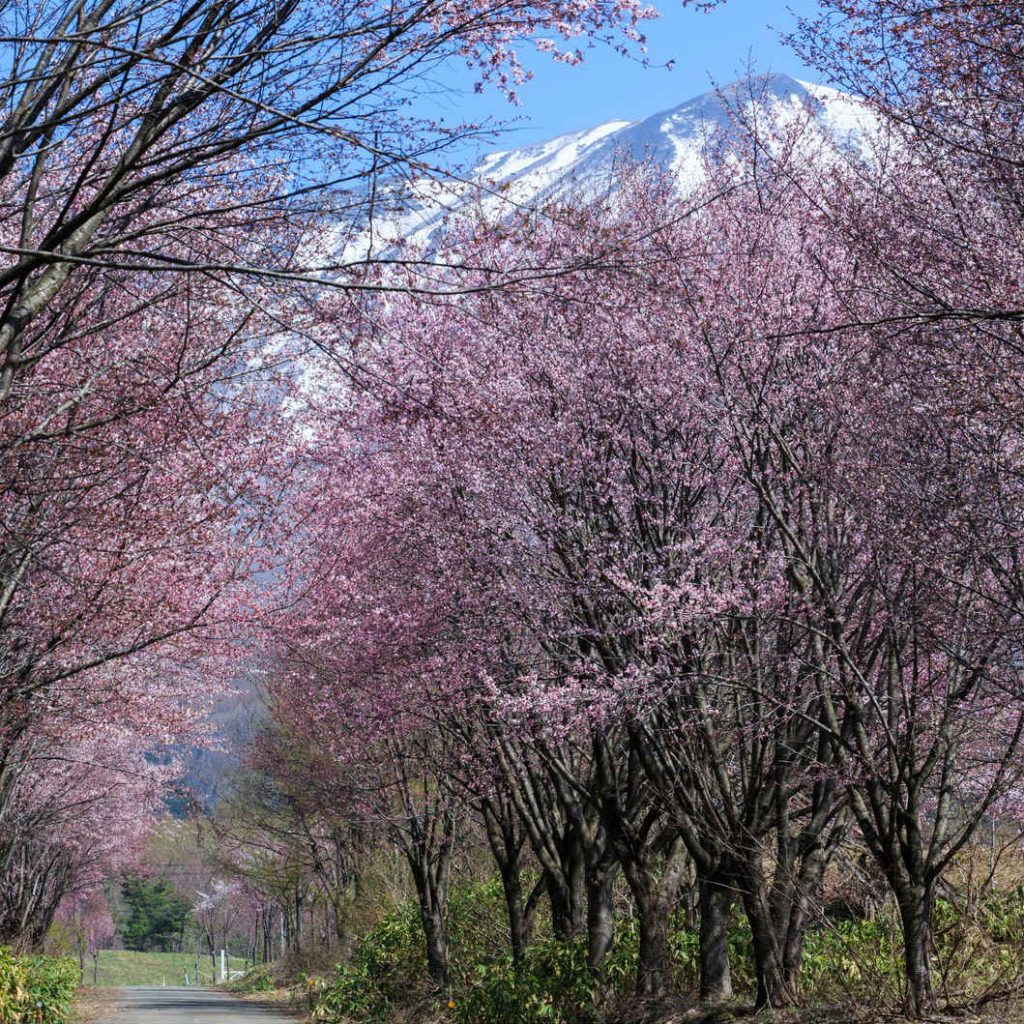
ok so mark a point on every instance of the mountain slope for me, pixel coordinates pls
(675, 139)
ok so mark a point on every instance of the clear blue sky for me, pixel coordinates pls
(706, 48)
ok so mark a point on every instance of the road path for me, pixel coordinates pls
(189, 1006)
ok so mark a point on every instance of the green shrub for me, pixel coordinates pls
(477, 928)
(853, 957)
(1002, 914)
(352, 994)
(392, 955)
(389, 959)
(553, 985)
(977, 943)
(36, 989)
(256, 979)
(845, 960)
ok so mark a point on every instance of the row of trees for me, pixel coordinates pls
(693, 565)
(161, 258)
(704, 563)
(197, 889)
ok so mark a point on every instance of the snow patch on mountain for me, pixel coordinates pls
(586, 161)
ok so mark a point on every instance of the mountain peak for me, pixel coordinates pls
(676, 139)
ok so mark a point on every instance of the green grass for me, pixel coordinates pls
(120, 967)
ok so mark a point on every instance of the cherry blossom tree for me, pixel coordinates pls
(80, 814)
(706, 556)
(163, 259)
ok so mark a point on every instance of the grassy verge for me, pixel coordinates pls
(121, 967)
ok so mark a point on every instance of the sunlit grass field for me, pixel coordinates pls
(120, 967)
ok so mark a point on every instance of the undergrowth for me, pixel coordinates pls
(36, 989)
(846, 961)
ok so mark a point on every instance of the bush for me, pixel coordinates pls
(389, 960)
(391, 955)
(256, 979)
(977, 943)
(1002, 914)
(352, 995)
(853, 958)
(36, 989)
(553, 985)
(477, 927)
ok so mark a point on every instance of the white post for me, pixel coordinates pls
(223, 966)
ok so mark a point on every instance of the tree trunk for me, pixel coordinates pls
(432, 890)
(600, 915)
(505, 838)
(521, 912)
(773, 989)
(566, 898)
(768, 931)
(652, 963)
(715, 976)
(915, 905)
(512, 887)
(793, 952)
(654, 893)
(437, 948)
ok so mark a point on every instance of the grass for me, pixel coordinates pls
(121, 967)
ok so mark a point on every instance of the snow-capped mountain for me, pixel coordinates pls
(674, 139)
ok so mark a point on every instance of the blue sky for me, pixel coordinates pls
(706, 48)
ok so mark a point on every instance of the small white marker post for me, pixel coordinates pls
(223, 966)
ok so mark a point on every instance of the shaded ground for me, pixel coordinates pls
(744, 1014)
(159, 1005)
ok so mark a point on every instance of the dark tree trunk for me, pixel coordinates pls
(566, 894)
(654, 894)
(520, 911)
(791, 901)
(434, 932)
(766, 932)
(773, 990)
(431, 880)
(715, 899)
(506, 840)
(653, 962)
(915, 906)
(777, 901)
(793, 951)
(426, 837)
(512, 887)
